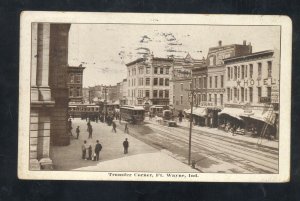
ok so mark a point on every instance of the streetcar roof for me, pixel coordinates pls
(133, 107)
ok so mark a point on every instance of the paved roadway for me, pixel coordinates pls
(212, 153)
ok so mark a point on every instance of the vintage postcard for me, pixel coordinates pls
(154, 97)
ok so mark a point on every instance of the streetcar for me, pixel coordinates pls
(83, 110)
(157, 110)
(132, 114)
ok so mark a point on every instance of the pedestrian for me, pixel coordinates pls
(88, 125)
(114, 126)
(90, 152)
(90, 130)
(98, 148)
(77, 132)
(70, 127)
(126, 145)
(83, 149)
(126, 129)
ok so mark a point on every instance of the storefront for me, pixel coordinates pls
(230, 119)
(199, 116)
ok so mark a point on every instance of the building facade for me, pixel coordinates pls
(148, 81)
(75, 82)
(252, 87)
(208, 80)
(49, 92)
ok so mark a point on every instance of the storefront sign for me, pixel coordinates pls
(216, 90)
(265, 99)
(275, 94)
(206, 104)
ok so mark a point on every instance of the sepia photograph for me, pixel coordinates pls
(154, 97)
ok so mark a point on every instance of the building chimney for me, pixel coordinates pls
(220, 43)
(244, 42)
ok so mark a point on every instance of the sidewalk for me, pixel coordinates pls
(141, 157)
(215, 131)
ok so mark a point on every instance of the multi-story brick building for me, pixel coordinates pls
(148, 81)
(208, 80)
(75, 81)
(252, 83)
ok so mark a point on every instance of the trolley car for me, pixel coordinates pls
(83, 110)
(133, 114)
(157, 110)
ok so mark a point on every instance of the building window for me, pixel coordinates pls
(161, 93)
(161, 71)
(78, 78)
(246, 95)
(259, 70)
(205, 82)
(161, 81)
(71, 92)
(235, 93)
(147, 81)
(147, 70)
(147, 93)
(195, 82)
(210, 82)
(181, 87)
(166, 93)
(242, 94)
(246, 70)
(155, 81)
(221, 99)
(78, 91)
(228, 94)
(72, 78)
(238, 94)
(251, 70)
(222, 81)
(243, 72)
(181, 100)
(154, 93)
(269, 68)
(216, 81)
(128, 92)
(228, 73)
(155, 70)
(216, 100)
(251, 94)
(269, 91)
(128, 72)
(231, 94)
(235, 73)
(209, 99)
(129, 83)
(167, 70)
(238, 76)
(200, 83)
(231, 73)
(166, 82)
(258, 94)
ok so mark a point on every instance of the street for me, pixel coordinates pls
(211, 152)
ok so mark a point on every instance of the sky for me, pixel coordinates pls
(104, 49)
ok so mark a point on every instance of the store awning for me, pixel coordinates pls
(233, 112)
(261, 115)
(198, 111)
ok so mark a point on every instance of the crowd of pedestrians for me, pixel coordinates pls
(90, 153)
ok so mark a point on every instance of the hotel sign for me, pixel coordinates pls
(275, 94)
(206, 104)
